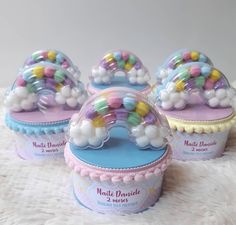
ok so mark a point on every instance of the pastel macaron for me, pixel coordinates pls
(150, 118)
(134, 119)
(115, 102)
(101, 105)
(129, 102)
(142, 108)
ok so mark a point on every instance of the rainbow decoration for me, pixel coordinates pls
(212, 85)
(120, 60)
(117, 107)
(36, 83)
(55, 57)
(179, 58)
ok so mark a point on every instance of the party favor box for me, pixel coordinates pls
(118, 152)
(40, 103)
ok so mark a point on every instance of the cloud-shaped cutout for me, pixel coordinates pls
(71, 96)
(20, 99)
(171, 98)
(85, 134)
(149, 136)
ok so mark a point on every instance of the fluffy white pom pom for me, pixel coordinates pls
(157, 142)
(214, 102)
(132, 80)
(180, 104)
(87, 128)
(106, 79)
(72, 102)
(82, 99)
(21, 92)
(140, 80)
(209, 94)
(75, 131)
(102, 71)
(164, 95)
(225, 102)
(142, 141)
(137, 131)
(140, 73)
(94, 141)
(75, 92)
(98, 80)
(60, 99)
(175, 97)
(26, 105)
(66, 91)
(16, 108)
(95, 72)
(132, 72)
(32, 97)
(166, 105)
(100, 132)
(80, 141)
(151, 131)
(221, 93)
(171, 87)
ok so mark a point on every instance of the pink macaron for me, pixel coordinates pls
(195, 71)
(49, 72)
(114, 102)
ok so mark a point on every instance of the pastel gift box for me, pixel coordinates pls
(118, 152)
(198, 102)
(41, 102)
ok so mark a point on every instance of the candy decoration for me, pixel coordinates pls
(113, 107)
(54, 57)
(210, 83)
(120, 61)
(40, 78)
(134, 119)
(179, 58)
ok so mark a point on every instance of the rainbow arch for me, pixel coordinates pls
(180, 58)
(42, 85)
(120, 60)
(117, 107)
(55, 57)
(211, 84)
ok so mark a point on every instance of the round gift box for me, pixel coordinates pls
(118, 81)
(39, 135)
(119, 178)
(199, 132)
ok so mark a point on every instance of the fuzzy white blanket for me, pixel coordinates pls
(38, 193)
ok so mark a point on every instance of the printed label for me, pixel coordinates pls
(106, 197)
(29, 147)
(198, 146)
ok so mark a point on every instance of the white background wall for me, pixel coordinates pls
(86, 29)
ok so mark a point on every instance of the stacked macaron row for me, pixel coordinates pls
(55, 57)
(179, 58)
(119, 68)
(120, 60)
(35, 83)
(117, 106)
(207, 80)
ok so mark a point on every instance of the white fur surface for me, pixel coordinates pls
(38, 192)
